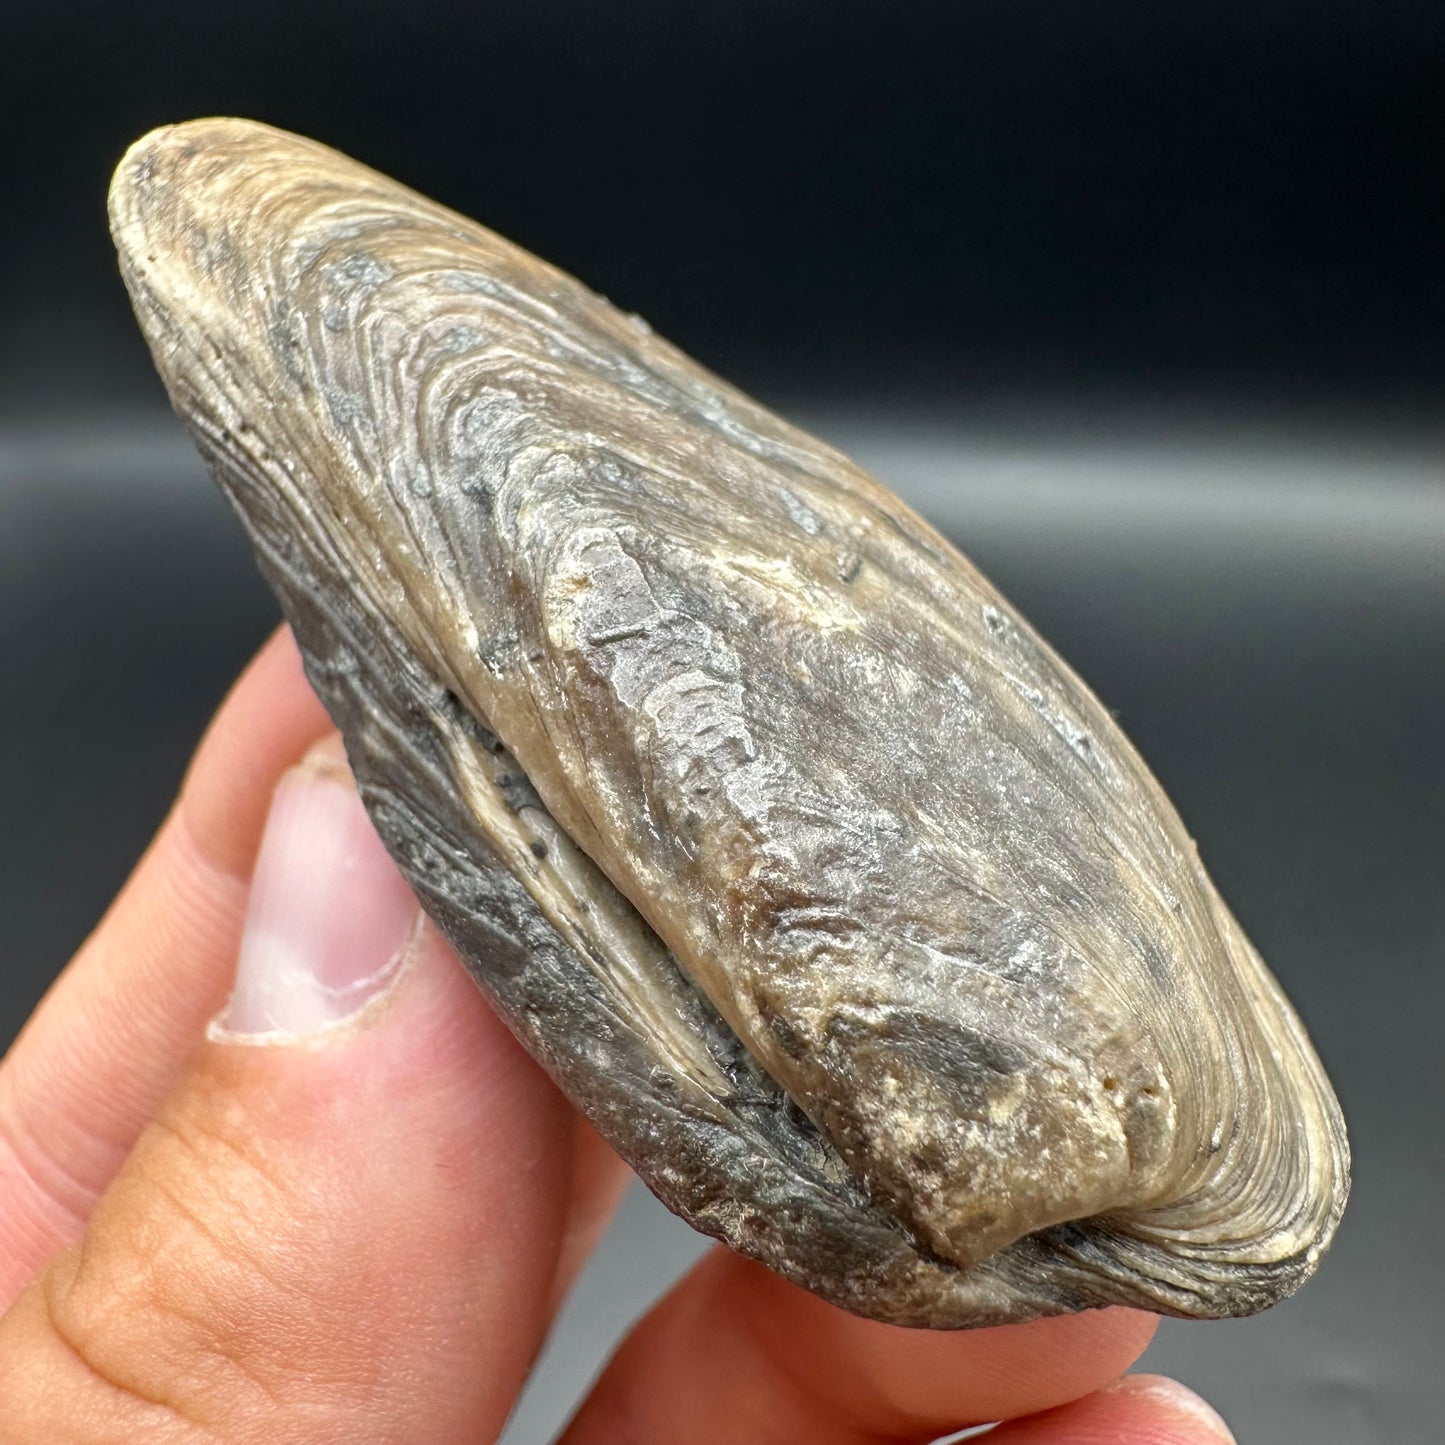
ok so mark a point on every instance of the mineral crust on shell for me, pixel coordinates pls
(816, 880)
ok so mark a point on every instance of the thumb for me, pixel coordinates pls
(343, 1223)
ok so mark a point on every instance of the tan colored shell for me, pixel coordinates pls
(830, 894)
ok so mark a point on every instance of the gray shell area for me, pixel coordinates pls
(816, 880)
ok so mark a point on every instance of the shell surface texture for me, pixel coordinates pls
(816, 880)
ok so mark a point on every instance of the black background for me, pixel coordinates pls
(1233, 195)
(1141, 302)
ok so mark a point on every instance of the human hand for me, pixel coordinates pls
(349, 1210)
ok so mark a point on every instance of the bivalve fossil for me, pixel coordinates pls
(817, 881)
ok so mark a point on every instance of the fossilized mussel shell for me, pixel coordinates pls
(817, 881)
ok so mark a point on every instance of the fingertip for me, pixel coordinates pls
(894, 1379)
(1137, 1410)
(330, 918)
(735, 1343)
(1196, 1419)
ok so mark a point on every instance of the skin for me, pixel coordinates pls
(364, 1238)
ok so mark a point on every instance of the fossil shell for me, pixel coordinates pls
(812, 875)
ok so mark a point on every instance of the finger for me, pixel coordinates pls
(1138, 1410)
(736, 1353)
(106, 1043)
(345, 1220)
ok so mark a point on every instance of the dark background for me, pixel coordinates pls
(1140, 302)
(1231, 196)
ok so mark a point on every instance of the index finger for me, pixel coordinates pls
(736, 1353)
